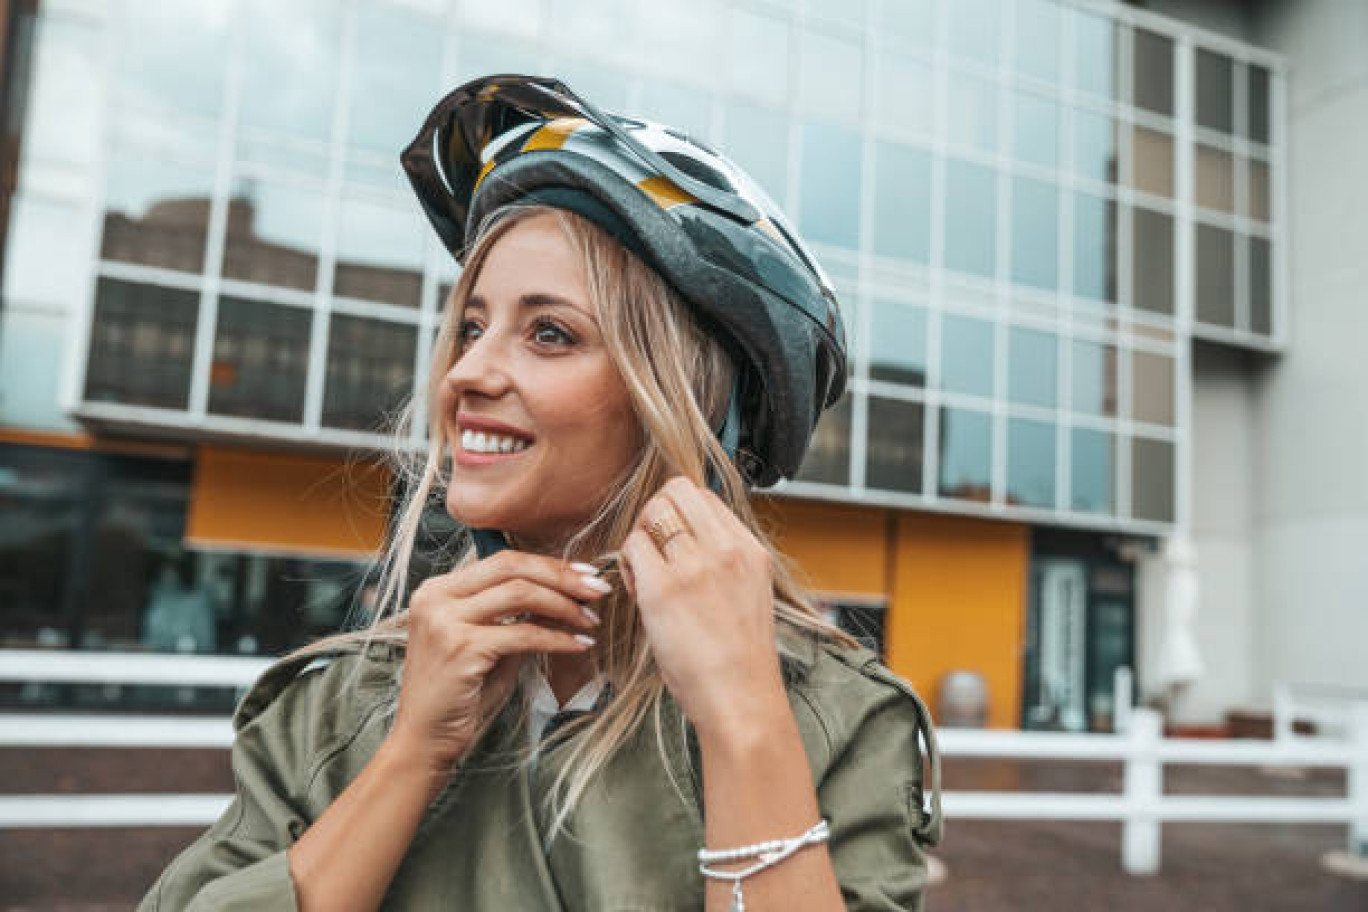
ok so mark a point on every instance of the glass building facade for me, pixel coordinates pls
(1030, 208)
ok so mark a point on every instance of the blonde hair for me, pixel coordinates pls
(678, 378)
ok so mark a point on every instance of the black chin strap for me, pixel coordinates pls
(489, 542)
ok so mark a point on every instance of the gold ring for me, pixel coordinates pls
(665, 527)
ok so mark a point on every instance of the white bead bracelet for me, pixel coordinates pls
(770, 853)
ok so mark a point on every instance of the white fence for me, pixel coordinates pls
(1141, 806)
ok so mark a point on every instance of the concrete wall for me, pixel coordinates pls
(1224, 484)
(1312, 429)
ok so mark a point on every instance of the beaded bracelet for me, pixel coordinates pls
(770, 853)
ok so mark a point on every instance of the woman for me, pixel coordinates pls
(623, 700)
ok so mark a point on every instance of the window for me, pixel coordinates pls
(828, 456)
(142, 345)
(966, 454)
(1031, 463)
(261, 354)
(893, 454)
(370, 372)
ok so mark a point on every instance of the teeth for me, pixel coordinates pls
(480, 442)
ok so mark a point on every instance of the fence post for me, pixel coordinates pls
(1143, 790)
(1358, 780)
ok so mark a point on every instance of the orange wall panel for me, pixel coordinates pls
(959, 602)
(839, 548)
(287, 501)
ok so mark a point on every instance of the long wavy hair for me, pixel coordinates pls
(679, 379)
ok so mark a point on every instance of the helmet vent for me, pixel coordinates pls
(699, 170)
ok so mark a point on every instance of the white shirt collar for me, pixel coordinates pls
(544, 703)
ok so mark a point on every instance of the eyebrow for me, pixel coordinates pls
(528, 302)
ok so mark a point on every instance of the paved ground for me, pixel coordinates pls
(992, 866)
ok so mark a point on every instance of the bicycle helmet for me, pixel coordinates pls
(690, 213)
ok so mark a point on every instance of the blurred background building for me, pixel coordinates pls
(1107, 398)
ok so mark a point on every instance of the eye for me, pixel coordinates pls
(468, 332)
(548, 332)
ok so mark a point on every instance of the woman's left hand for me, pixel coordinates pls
(706, 597)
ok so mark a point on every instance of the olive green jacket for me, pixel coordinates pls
(303, 734)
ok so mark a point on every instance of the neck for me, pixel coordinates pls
(567, 674)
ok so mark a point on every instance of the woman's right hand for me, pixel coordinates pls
(466, 629)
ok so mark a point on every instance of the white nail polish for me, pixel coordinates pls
(586, 569)
(586, 640)
(598, 585)
(591, 614)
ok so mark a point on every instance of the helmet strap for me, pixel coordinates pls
(729, 434)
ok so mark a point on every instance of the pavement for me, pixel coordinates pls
(989, 865)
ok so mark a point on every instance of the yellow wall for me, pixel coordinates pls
(287, 501)
(955, 587)
(959, 602)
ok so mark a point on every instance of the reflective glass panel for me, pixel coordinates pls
(972, 111)
(261, 359)
(178, 63)
(828, 456)
(1095, 152)
(1030, 463)
(1095, 57)
(906, 21)
(904, 93)
(142, 344)
(1152, 388)
(1257, 197)
(1152, 479)
(894, 451)
(966, 355)
(1258, 104)
(370, 371)
(1035, 128)
(974, 29)
(273, 234)
(1260, 285)
(1215, 98)
(1035, 233)
(684, 108)
(480, 53)
(394, 75)
(1215, 276)
(897, 343)
(830, 81)
(1093, 476)
(829, 209)
(902, 207)
(156, 213)
(1152, 275)
(1152, 161)
(1094, 377)
(518, 16)
(289, 76)
(759, 57)
(1094, 252)
(1153, 72)
(1032, 366)
(757, 140)
(1037, 38)
(1215, 179)
(42, 491)
(379, 254)
(966, 454)
(970, 217)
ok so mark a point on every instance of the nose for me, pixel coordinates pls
(482, 369)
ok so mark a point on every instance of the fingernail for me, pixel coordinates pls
(591, 614)
(586, 569)
(598, 585)
(586, 640)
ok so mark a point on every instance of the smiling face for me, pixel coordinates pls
(539, 421)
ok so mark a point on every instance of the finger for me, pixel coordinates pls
(642, 558)
(519, 638)
(688, 500)
(577, 581)
(522, 596)
(661, 509)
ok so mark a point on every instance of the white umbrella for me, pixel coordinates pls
(1180, 659)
